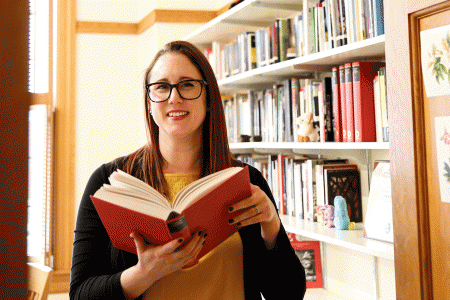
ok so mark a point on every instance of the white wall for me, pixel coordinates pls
(110, 119)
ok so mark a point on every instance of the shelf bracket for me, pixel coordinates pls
(294, 7)
(369, 165)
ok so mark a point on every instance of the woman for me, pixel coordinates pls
(187, 140)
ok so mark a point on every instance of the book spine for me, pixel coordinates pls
(342, 17)
(378, 11)
(384, 107)
(321, 112)
(308, 28)
(349, 100)
(336, 105)
(288, 109)
(295, 107)
(283, 39)
(343, 101)
(328, 109)
(377, 104)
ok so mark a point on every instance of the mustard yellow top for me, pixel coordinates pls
(218, 275)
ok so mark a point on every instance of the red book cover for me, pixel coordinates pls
(343, 95)
(336, 105)
(349, 101)
(209, 213)
(363, 99)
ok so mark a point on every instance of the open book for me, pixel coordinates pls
(129, 204)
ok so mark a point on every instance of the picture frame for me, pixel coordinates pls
(309, 254)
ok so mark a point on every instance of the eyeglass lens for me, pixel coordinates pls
(188, 89)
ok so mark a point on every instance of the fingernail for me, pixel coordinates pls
(180, 241)
(230, 208)
(230, 221)
(205, 235)
(200, 232)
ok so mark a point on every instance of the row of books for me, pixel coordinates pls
(322, 26)
(301, 183)
(349, 106)
(360, 105)
(334, 23)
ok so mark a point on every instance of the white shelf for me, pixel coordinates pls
(235, 147)
(246, 16)
(351, 239)
(321, 294)
(260, 78)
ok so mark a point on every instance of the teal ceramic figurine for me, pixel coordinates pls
(341, 219)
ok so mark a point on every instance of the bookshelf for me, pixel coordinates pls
(251, 15)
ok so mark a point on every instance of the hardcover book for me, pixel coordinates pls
(345, 183)
(363, 99)
(129, 204)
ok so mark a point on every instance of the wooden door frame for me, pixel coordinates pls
(412, 244)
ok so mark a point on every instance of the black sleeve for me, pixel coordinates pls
(92, 275)
(281, 274)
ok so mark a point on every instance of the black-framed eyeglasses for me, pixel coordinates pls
(187, 89)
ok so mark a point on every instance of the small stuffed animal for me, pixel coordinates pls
(306, 130)
(328, 216)
(341, 219)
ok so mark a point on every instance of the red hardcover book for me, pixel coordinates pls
(336, 105)
(129, 205)
(343, 95)
(349, 101)
(363, 99)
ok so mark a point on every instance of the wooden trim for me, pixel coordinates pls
(106, 27)
(155, 16)
(40, 98)
(59, 282)
(423, 222)
(64, 162)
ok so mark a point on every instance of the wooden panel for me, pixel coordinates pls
(407, 152)
(439, 212)
(14, 148)
(64, 183)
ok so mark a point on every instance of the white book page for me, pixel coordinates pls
(136, 194)
(133, 203)
(199, 188)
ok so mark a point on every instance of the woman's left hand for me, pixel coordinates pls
(257, 208)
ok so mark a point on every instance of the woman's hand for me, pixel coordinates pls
(156, 262)
(258, 208)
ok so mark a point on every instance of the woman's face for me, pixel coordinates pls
(177, 117)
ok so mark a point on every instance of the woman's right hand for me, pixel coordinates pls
(156, 262)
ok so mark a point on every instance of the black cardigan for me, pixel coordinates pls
(97, 265)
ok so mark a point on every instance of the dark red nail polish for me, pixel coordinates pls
(230, 221)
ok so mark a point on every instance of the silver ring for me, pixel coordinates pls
(257, 210)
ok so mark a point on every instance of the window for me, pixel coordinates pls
(40, 158)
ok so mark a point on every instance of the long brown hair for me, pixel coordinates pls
(147, 162)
